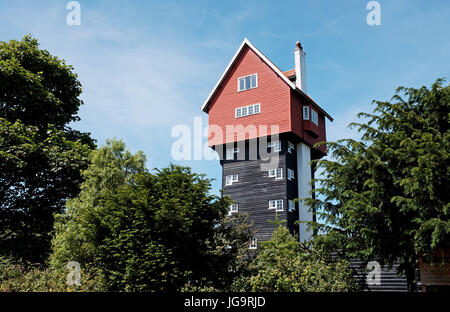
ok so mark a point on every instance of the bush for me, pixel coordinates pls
(28, 278)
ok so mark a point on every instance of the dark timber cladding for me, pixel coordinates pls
(254, 188)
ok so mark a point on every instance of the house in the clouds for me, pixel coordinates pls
(264, 125)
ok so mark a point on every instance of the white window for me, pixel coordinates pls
(291, 204)
(276, 173)
(229, 179)
(247, 82)
(231, 152)
(253, 243)
(274, 146)
(238, 112)
(233, 208)
(276, 204)
(291, 147)
(279, 205)
(314, 117)
(290, 174)
(305, 112)
(247, 110)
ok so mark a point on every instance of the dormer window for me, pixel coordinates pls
(247, 82)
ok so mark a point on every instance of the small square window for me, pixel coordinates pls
(244, 111)
(290, 174)
(233, 208)
(238, 112)
(253, 243)
(228, 180)
(234, 178)
(272, 173)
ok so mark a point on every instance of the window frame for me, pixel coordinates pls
(247, 109)
(274, 144)
(314, 117)
(290, 174)
(291, 205)
(253, 243)
(276, 173)
(232, 210)
(244, 86)
(291, 147)
(306, 112)
(276, 207)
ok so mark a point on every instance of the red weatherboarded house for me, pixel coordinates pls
(256, 105)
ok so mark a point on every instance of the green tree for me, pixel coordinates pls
(387, 196)
(144, 231)
(284, 265)
(40, 156)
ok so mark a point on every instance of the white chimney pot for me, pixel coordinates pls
(300, 67)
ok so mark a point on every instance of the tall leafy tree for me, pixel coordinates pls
(40, 155)
(387, 196)
(148, 232)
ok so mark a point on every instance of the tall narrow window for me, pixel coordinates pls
(314, 117)
(291, 207)
(291, 147)
(279, 205)
(238, 112)
(279, 173)
(305, 112)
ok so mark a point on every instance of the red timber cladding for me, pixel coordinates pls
(297, 122)
(272, 93)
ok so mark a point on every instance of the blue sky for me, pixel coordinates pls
(147, 66)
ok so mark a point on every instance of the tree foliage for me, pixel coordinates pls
(144, 231)
(284, 265)
(387, 196)
(40, 156)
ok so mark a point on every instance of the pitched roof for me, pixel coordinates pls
(289, 73)
(281, 74)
